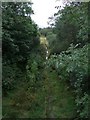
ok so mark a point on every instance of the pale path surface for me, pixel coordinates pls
(46, 53)
(44, 41)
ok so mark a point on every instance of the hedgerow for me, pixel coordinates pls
(72, 67)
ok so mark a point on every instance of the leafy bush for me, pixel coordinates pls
(71, 26)
(10, 75)
(19, 39)
(35, 68)
(19, 32)
(72, 66)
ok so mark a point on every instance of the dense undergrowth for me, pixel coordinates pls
(22, 62)
(72, 67)
(22, 90)
(69, 46)
(28, 78)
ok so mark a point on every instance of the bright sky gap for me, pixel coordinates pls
(43, 9)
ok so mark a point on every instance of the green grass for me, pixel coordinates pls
(50, 100)
(60, 100)
(23, 103)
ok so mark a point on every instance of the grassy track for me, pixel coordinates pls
(52, 100)
(59, 101)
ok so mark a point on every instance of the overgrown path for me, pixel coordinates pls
(49, 98)
(59, 101)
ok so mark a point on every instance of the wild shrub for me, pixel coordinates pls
(72, 66)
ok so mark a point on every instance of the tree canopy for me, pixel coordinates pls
(19, 32)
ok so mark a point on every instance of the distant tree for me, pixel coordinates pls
(71, 25)
(44, 31)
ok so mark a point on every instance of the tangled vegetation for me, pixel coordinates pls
(34, 87)
(72, 67)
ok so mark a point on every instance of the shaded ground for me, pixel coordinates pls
(59, 101)
(52, 100)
